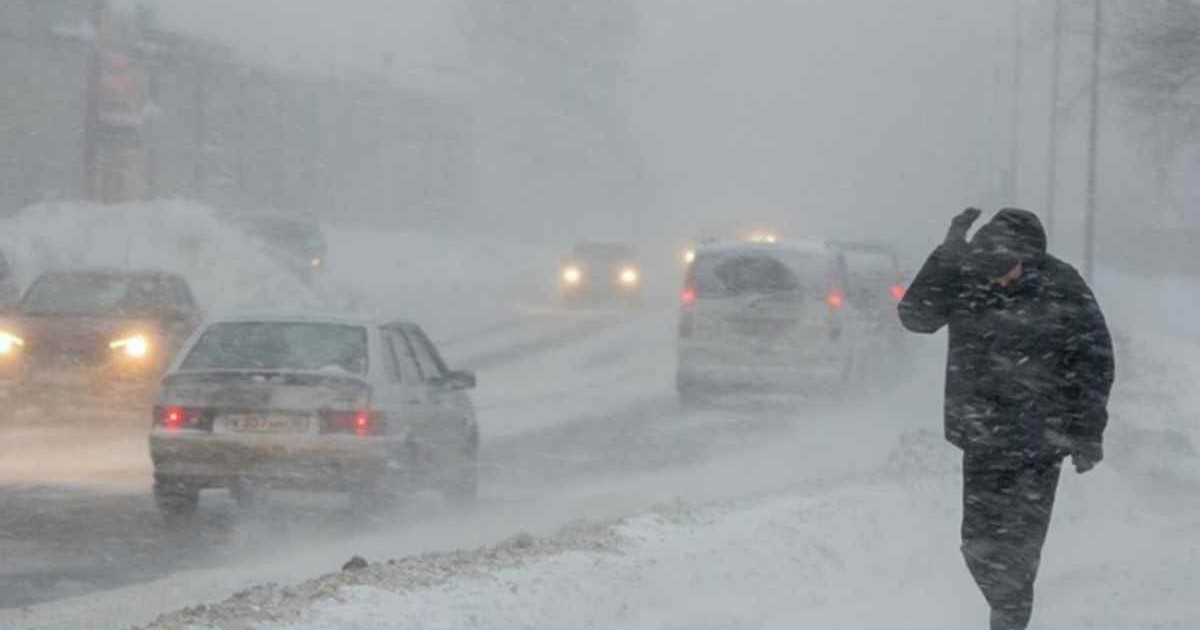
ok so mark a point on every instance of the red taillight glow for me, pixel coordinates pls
(361, 423)
(176, 417)
(835, 299)
(687, 295)
(898, 292)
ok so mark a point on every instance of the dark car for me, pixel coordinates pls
(9, 293)
(296, 240)
(108, 332)
(601, 272)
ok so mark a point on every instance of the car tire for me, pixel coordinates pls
(176, 501)
(689, 393)
(464, 490)
(247, 497)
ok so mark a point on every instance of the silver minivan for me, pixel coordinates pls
(767, 318)
(315, 404)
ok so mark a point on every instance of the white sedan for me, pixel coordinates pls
(334, 404)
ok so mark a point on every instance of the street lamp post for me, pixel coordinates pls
(1055, 91)
(1089, 245)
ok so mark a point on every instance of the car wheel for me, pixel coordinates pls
(463, 491)
(247, 496)
(176, 501)
(688, 391)
(462, 488)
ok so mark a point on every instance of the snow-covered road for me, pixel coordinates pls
(603, 504)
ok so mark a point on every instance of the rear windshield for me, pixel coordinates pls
(870, 264)
(738, 273)
(96, 295)
(299, 347)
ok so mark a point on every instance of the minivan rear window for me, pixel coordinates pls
(738, 273)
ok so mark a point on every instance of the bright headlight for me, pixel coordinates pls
(572, 275)
(135, 347)
(629, 276)
(689, 257)
(317, 262)
(10, 342)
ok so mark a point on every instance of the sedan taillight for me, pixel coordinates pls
(175, 418)
(362, 423)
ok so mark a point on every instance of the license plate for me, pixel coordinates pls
(268, 423)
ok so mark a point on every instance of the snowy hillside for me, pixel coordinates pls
(228, 269)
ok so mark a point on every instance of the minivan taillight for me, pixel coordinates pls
(361, 423)
(687, 295)
(175, 418)
(835, 299)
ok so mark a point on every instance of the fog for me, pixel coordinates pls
(612, 334)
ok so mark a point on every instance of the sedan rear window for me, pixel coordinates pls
(280, 346)
(734, 274)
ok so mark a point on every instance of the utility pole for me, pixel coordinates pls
(1089, 245)
(1055, 95)
(1014, 158)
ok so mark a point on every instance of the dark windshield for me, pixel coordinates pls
(603, 253)
(734, 274)
(299, 347)
(96, 295)
(296, 236)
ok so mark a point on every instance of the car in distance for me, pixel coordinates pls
(106, 332)
(600, 272)
(312, 404)
(767, 318)
(294, 239)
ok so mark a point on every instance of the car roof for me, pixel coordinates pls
(798, 247)
(607, 246)
(348, 319)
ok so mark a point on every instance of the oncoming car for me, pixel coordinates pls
(767, 318)
(599, 272)
(324, 405)
(107, 332)
(294, 239)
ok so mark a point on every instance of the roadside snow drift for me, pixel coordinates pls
(227, 268)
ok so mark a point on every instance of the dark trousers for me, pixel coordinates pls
(1007, 502)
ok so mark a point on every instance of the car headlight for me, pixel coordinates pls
(10, 342)
(135, 347)
(629, 276)
(572, 275)
(317, 262)
(689, 257)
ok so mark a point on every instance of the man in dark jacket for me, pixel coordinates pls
(1028, 375)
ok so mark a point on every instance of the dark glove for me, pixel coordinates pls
(1086, 454)
(956, 236)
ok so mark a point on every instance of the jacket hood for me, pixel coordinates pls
(1012, 236)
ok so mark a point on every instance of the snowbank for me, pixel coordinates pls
(454, 285)
(227, 268)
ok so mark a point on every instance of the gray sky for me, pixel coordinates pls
(827, 117)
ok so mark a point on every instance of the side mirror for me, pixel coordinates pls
(457, 380)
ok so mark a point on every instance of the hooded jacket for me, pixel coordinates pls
(1030, 365)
